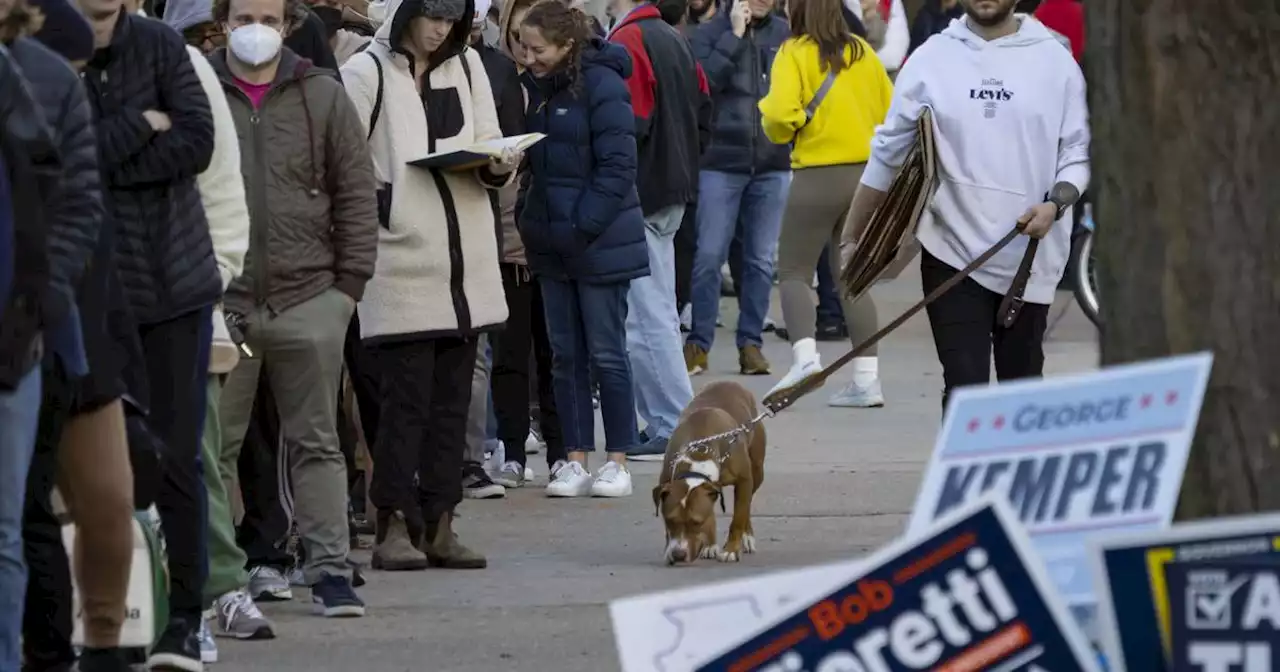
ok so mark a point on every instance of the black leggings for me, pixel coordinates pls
(522, 343)
(965, 333)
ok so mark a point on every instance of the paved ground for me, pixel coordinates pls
(839, 483)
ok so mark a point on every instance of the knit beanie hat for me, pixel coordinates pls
(451, 10)
(65, 31)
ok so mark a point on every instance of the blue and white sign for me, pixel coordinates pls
(967, 596)
(1076, 455)
(1226, 615)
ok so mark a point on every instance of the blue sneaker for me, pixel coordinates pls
(333, 597)
(653, 450)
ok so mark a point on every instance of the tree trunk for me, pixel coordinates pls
(1185, 104)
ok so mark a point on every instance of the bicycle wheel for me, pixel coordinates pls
(1086, 284)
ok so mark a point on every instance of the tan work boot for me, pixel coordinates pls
(695, 359)
(443, 549)
(751, 361)
(394, 551)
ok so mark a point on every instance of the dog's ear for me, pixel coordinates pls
(659, 494)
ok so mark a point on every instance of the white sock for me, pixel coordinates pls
(805, 350)
(865, 370)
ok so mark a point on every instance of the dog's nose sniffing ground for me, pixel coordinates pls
(839, 483)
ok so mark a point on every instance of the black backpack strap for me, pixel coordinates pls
(377, 100)
(466, 67)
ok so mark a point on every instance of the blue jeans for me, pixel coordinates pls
(829, 308)
(654, 344)
(750, 207)
(587, 328)
(19, 418)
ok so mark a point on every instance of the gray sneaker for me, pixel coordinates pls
(240, 618)
(511, 475)
(208, 647)
(855, 396)
(268, 584)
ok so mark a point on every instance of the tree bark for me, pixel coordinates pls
(1185, 104)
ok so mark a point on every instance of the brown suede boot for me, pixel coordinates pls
(394, 551)
(443, 549)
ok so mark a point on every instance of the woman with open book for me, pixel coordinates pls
(437, 287)
(584, 234)
(828, 93)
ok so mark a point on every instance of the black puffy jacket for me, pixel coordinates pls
(163, 250)
(32, 166)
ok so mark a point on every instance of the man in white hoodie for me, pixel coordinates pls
(1012, 134)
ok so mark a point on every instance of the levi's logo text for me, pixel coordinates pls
(961, 600)
(991, 93)
(1226, 615)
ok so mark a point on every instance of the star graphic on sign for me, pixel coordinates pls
(974, 424)
(998, 423)
(1171, 397)
(1145, 401)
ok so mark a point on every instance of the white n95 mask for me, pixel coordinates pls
(255, 44)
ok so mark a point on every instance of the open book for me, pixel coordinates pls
(479, 154)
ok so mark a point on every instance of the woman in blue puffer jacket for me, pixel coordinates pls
(584, 234)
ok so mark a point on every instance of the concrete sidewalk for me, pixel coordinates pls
(839, 483)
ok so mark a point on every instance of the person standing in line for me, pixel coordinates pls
(672, 107)
(524, 341)
(150, 157)
(993, 80)
(829, 93)
(583, 228)
(29, 186)
(932, 18)
(222, 194)
(420, 89)
(312, 213)
(744, 174)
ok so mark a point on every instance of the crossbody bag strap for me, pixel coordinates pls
(377, 100)
(819, 95)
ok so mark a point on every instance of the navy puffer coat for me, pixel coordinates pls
(581, 216)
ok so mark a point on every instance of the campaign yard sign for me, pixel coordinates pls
(969, 595)
(1226, 615)
(1133, 577)
(1074, 455)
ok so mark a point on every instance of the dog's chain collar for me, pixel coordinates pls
(732, 434)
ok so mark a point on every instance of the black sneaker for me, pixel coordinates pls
(476, 484)
(333, 597)
(652, 450)
(835, 331)
(178, 649)
(103, 660)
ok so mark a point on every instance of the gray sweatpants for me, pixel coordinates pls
(813, 219)
(478, 415)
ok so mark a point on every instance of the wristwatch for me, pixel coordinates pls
(1061, 207)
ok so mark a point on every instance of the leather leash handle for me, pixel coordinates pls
(1012, 303)
(776, 403)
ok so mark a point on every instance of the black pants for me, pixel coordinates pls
(264, 486)
(686, 242)
(965, 332)
(426, 395)
(177, 355)
(362, 368)
(47, 614)
(526, 334)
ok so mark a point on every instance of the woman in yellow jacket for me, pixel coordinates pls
(828, 92)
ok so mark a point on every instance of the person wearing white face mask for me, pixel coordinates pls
(313, 241)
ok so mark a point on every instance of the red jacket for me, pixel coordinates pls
(1067, 18)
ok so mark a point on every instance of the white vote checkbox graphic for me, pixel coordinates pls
(1209, 595)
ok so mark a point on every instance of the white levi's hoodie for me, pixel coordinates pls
(1010, 121)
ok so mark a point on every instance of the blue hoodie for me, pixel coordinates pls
(581, 217)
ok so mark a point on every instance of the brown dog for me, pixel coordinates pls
(693, 477)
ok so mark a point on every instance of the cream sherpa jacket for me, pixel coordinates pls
(222, 193)
(437, 271)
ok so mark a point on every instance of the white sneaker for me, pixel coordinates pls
(208, 646)
(240, 618)
(529, 474)
(569, 479)
(805, 364)
(494, 460)
(533, 444)
(858, 396)
(612, 480)
(511, 475)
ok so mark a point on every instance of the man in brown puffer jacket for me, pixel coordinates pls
(313, 242)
